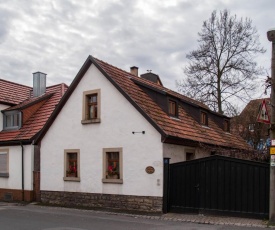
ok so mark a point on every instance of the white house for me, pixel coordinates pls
(24, 111)
(105, 142)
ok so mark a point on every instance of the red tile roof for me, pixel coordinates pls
(183, 130)
(252, 108)
(28, 102)
(37, 116)
(12, 93)
(186, 127)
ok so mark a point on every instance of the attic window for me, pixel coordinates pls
(204, 118)
(172, 110)
(91, 107)
(12, 120)
(226, 126)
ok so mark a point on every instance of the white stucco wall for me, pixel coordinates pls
(14, 181)
(2, 107)
(118, 120)
(177, 153)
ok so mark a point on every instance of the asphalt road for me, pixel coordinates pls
(34, 217)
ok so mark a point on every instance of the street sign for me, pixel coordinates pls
(263, 114)
(272, 142)
(272, 150)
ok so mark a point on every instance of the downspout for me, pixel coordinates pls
(22, 151)
(166, 185)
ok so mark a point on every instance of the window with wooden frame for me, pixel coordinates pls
(204, 118)
(12, 120)
(172, 108)
(226, 125)
(71, 167)
(91, 107)
(4, 163)
(112, 165)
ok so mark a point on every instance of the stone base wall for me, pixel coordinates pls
(106, 201)
(15, 195)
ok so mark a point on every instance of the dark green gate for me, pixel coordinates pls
(219, 185)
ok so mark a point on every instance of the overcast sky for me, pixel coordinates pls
(56, 36)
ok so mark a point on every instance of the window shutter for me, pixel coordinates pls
(3, 162)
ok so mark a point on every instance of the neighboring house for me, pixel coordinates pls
(24, 111)
(105, 142)
(255, 133)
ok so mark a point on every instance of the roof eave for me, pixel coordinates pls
(187, 142)
(15, 142)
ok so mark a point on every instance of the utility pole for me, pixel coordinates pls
(271, 38)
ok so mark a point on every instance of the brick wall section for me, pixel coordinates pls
(15, 195)
(107, 201)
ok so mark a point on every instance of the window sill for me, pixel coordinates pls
(75, 179)
(11, 128)
(92, 121)
(5, 175)
(113, 181)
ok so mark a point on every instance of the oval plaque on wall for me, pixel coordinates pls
(150, 169)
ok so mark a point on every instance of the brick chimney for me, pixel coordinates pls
(134, 70)
(39, 84)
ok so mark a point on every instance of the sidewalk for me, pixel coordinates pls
(217, 220)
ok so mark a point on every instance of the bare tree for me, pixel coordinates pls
(223, 67)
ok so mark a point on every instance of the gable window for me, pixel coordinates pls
(204, 118)
(226, 126)
(112, 165)
(4, 159)
(12, 120)
(91, 107)
(172, 109)
(71, 167)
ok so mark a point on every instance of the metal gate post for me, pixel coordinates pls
(166, 184)
(271, 38)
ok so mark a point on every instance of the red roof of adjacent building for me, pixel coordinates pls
(182, 130)
(12, 93)
(36, 110)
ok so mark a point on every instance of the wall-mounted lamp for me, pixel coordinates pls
(143, 132)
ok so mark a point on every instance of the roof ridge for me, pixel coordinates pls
(266, 98)
(15, 83)
(153, 84)
(125, 71)
(56, 85)
(167, 90)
